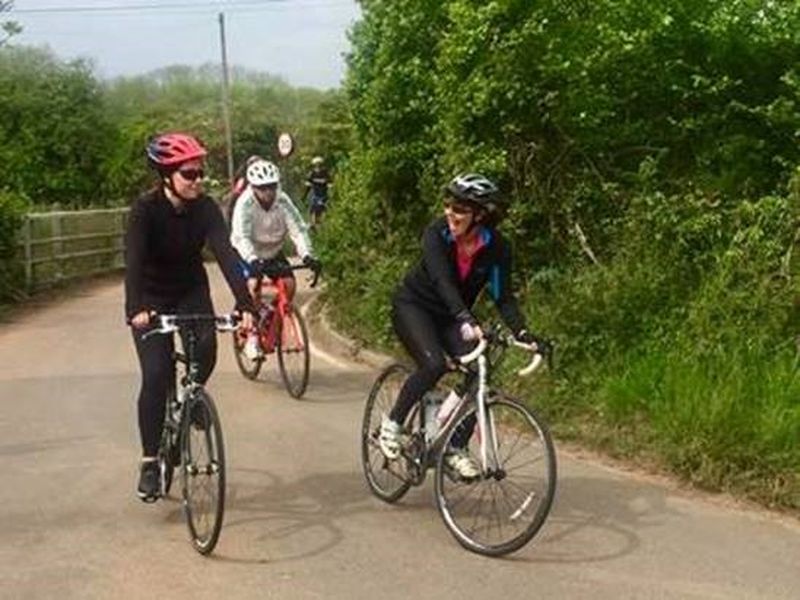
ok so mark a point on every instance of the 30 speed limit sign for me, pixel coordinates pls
(285, 144)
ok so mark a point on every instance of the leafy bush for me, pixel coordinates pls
(12, 211)
(53, 129)
(648, 151)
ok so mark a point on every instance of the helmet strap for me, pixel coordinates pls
(167, 179)
(478, 219)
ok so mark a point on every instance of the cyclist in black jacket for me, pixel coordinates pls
(431, 310)
(167, 229)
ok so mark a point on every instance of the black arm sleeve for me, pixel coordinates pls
(227, 258)
(135, 248)
(502, 290)
(441, 272)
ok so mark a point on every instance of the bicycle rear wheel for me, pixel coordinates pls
(203, 471)
(248, 367)
(506, 506)
(388, 479)
(293, 353)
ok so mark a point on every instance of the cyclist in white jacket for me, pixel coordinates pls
(263, 217)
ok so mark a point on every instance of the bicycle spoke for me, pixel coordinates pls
(203, 473)
(532, 461)
(505, 508)
(293, 354)
(383, 476)
(470, 491)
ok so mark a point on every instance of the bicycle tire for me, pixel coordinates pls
(169, 448)
(165, 465)
(200, 462)
(383, 476)
(527, 504)
(294, 373)
(249, 368)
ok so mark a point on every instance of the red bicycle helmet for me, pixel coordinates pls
(172, 149)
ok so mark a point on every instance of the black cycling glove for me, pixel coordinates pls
(312, 263)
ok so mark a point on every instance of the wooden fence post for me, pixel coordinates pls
(58, 245)
(26, 232)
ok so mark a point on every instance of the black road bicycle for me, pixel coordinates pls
(503, 508)
(191, 439)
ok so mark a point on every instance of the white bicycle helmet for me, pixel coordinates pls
(263, 172)
(475, 189)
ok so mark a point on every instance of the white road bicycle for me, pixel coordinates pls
(503, 508)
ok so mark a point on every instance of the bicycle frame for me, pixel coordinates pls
(477, 386)
(280, 305)
(190, 380)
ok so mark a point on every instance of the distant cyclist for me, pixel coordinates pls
(263, 218)
(167, 229)
(462, 252)
(237, 187)
(317, 182)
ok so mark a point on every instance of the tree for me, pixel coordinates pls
(9, 28)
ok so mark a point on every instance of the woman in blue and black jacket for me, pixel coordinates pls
(463, 252)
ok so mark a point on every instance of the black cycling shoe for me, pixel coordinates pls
(199, 416)
(149, 488)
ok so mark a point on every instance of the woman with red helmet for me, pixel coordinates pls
(167, 229)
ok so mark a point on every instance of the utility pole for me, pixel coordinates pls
(226, 111)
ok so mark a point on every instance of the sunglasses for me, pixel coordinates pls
(191, 174)
(457, 208)
(265, 187)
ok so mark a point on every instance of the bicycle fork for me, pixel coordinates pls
(486, 425)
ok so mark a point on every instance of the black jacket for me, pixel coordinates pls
(434, 283)
(163, 253)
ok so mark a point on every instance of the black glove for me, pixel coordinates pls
(268, 268)
(525, 337)
(312, 263)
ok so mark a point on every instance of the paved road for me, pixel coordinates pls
(300, 522)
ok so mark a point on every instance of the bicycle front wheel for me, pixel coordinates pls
(386, 478)
(167, 459)
(203, 471)
(293, 353)
(501, 510)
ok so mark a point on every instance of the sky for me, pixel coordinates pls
(302, 41)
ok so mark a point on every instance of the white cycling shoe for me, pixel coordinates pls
(462, 464)
(389, 438)
(251, 349)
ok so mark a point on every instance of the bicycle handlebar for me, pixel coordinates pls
(538, 352)
(171, 323)
(476, 352)
(274, 272)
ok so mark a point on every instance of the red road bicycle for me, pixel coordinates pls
(281, 330)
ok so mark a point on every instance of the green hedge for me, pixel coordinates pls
(12, 275)
(667, 133)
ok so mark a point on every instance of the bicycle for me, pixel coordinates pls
(280, 329)
(505, 506)
(192, 434)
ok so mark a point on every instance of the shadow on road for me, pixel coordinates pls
(596, 520)
(287, 521)
(324, 387)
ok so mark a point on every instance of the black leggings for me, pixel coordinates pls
(427, 338)
(158, 368)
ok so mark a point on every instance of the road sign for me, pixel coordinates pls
(285, 144)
